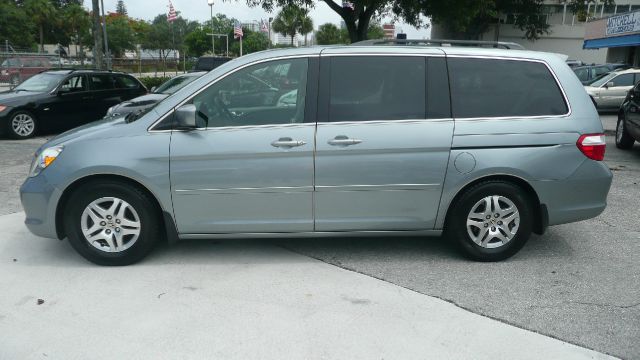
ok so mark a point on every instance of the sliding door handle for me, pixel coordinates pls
(287, 142)
(342, 140)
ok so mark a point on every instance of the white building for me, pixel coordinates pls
(566, 31)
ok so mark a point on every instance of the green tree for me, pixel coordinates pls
(252, 41)
(121, 9)
(164, 36)
(120, 34)
(198, 42)
(306, 26)
(328, 34)
(375, 31)
(292, 19)
(77, 23)
(14, 24)
(465, 18)
(221, 25)
(41, 12)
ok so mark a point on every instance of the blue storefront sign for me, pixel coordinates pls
(622, 24)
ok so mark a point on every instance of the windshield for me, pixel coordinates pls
(175, 84)
(41, 83)
(603, 80)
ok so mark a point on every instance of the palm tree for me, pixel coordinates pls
(292, 19)
(41, 11)
(306, 26)
(78, 22)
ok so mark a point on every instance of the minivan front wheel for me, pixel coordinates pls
(111, 223)
(491, 221)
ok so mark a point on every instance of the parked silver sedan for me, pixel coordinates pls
(609, 92)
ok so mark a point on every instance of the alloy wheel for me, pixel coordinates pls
(620, 130)
(23, 125)
(110, 224)
(493, 221)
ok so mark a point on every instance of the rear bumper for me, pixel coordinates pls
(39, 200)
(581, 196)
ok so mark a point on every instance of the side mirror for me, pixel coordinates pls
(153, 88)
(63, 91)
(609, 84)
(185, 117)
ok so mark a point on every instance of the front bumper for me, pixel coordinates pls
(40, 199)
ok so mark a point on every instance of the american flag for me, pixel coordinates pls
(172, 15)
(237, 30)
(348, 5)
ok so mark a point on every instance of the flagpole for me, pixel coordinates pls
(241, 45)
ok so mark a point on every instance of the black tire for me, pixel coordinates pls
(144, 206)
(623, 139)
(17, 133)
(456, 226)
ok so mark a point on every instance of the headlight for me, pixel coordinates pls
(44, 159)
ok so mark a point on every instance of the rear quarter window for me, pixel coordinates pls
(482, 88)
(125, 82)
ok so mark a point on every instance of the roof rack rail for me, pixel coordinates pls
(435, 42)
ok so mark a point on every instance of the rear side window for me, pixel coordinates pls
(125, 82)
(438, 105)
(377, 88)
(623, 80)
(101, 82)
(503, 88)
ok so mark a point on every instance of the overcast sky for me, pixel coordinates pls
(199, 10)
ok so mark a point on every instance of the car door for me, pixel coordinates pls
(250, 169)
(104, 93)
(69, 106)
(383, 140)
(633, 114)
(612, 93)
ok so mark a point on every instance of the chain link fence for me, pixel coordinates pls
(17, 65)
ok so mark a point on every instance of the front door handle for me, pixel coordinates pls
(342, 140)
(287, 142)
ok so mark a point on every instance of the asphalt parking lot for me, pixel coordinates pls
(579, 283)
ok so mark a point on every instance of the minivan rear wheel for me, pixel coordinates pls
(111, 223)
(491, 221)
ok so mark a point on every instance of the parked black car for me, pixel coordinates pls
(62, 99)
(587, 74)
(208, 63)
(155, 96)
(628, 127)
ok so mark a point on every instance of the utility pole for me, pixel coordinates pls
(97, 35)
(213, 44)
(106, 39)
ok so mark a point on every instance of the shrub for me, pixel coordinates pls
(151, 81)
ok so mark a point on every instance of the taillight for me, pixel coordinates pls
(592, 146)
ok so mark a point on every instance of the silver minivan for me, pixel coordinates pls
(485, 145)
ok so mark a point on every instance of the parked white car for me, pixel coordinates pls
(609, 91)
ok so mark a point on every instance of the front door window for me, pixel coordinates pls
(262, 94)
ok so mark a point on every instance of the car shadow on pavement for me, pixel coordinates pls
(335, 251)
